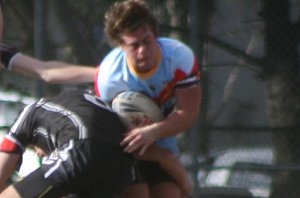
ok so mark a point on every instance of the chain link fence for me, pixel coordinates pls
(241, 162)
(248, 142)
(251, 75)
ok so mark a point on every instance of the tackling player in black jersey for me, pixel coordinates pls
(81, 137)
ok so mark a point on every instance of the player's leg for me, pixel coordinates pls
(161, 184)
(172, 165)
(140, 190)
(33, 185)
(52, 179)
(10, 192)
(165, 190)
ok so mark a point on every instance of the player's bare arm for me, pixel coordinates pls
(8, 163)
(53, 71)
(48, 71)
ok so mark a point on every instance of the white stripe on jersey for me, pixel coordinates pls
(97, 101)
(59, 157)
(20, 118)
(49, 106)
(43, 132)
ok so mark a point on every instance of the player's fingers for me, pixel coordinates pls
(132, 148)
(143, 150)
(123, 142)
(128, 138)
(133, 145)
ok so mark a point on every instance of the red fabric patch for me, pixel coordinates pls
(96, 87)
(8, 145)
(196, 70)
(168, 90)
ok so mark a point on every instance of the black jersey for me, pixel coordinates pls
(50, 123)
(82, 137)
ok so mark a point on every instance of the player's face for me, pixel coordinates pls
(141, 48)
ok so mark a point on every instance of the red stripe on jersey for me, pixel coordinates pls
(8, 145)
(96, 88)
(196, 69)
(168, 90)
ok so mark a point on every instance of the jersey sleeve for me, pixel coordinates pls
(10, 144)
(188, 66)
(109, 80)
(19, 135)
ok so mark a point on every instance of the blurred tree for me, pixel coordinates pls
(279, 69)
(281, 74)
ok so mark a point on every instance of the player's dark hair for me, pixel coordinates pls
(128, 16)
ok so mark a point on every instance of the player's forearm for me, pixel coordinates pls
(188, 102)
(7, 166)
(174, 124)
(52, 71)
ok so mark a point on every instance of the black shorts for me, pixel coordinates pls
(85, 168)
(151, 173)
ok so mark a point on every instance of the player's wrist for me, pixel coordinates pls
(12, 60)
(8, 54)
(155, 131)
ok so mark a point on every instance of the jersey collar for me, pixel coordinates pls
(148, 74)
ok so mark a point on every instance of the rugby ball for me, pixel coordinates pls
(131, 104)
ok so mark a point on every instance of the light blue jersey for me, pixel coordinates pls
(178, 67)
